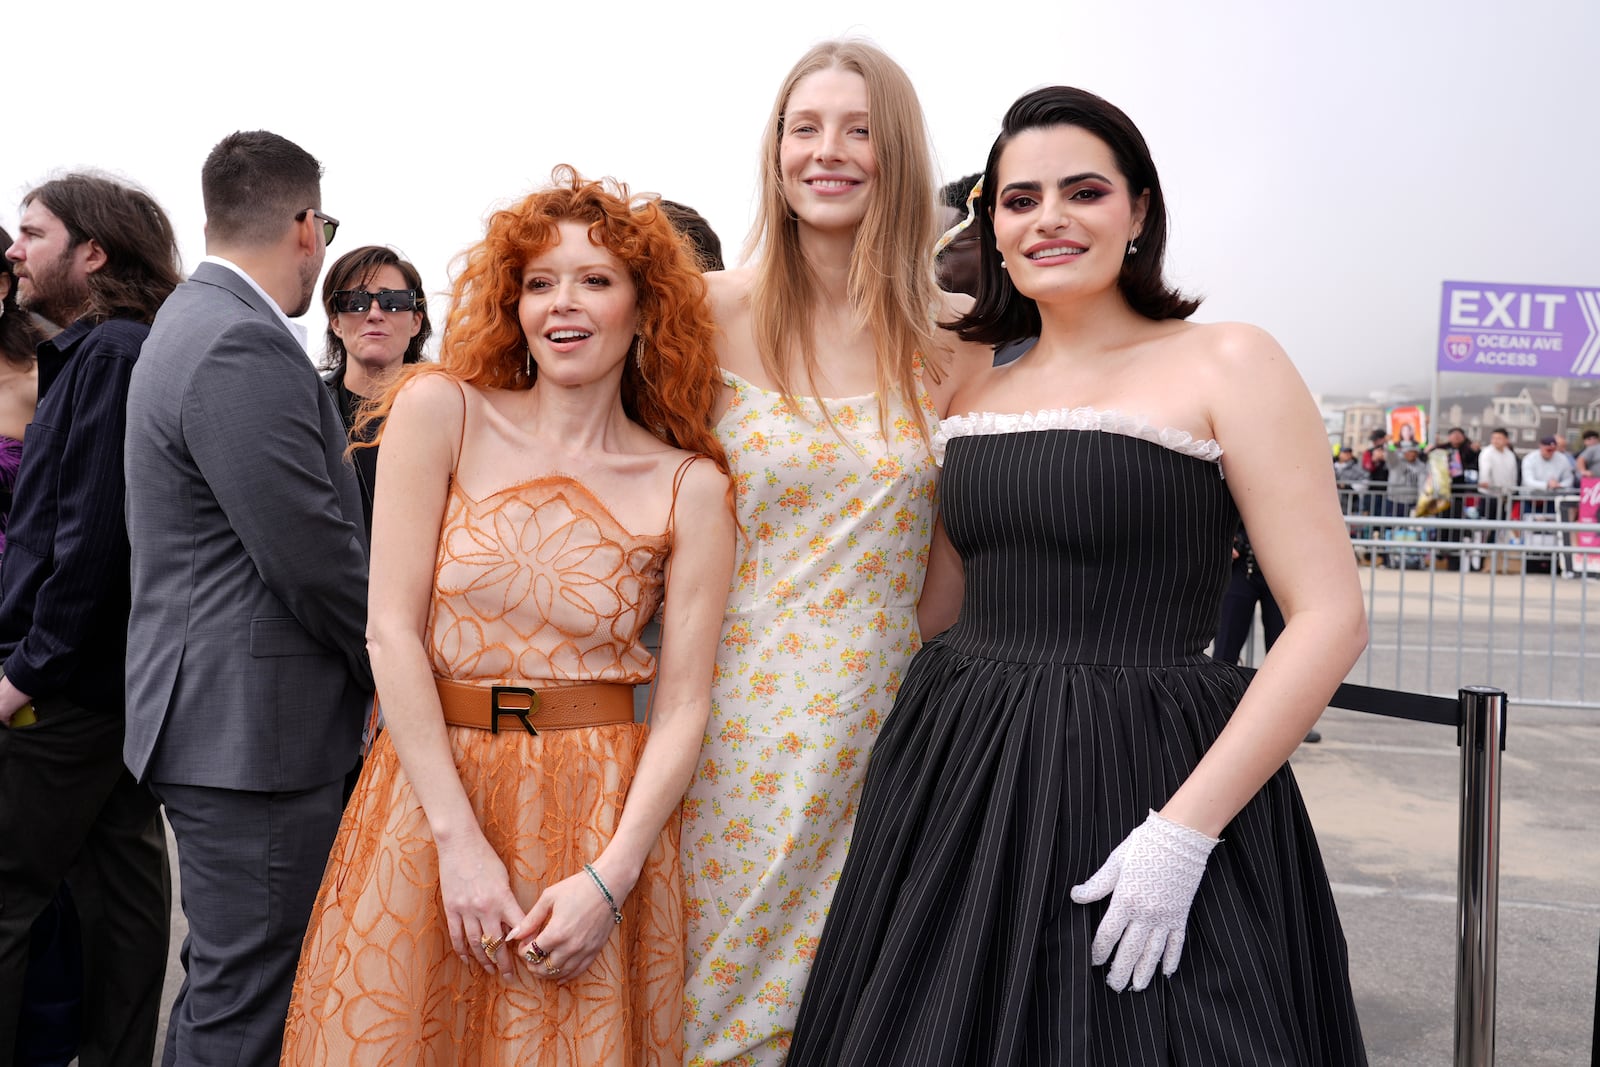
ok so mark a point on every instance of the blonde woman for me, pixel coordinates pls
(833, 368)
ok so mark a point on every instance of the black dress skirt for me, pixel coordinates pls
(1072, 696)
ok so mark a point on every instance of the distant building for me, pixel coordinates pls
(1359, 422)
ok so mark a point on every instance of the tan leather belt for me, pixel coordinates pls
(484, 707)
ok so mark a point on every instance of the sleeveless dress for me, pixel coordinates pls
(534, 584)
(1071, 696)
(10, 465)
(821, 622)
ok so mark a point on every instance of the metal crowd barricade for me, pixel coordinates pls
(1513, 608)
(1479, 715)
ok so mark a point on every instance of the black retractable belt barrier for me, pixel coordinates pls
(1478, 714)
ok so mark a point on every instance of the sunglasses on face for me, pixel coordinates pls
(357, 301)
(330, 225)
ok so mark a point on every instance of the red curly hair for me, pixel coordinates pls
(670, 389)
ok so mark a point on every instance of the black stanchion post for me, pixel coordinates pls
(1482, 736)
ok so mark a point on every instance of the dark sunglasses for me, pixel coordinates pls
(330, 225)
(356, 301)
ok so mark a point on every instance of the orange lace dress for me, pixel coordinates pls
(534, 584)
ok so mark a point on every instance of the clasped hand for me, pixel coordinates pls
(569, 922)
(1152, 878)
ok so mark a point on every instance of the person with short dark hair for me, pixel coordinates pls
(1499, 474)
(97, 257)
(377, 322)
(1347, 470)
(1373, 453)
(247, 667)
(1588, 461)
(1407, 472)
(1462, 462)
(1543, 469)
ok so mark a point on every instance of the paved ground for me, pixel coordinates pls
(1382, 794)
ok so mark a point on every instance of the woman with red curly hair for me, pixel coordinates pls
(505, 888)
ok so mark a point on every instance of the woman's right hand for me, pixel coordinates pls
(478, 902)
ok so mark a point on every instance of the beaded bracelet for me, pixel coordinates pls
(616, 914)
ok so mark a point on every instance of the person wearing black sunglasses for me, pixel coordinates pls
(377, 321)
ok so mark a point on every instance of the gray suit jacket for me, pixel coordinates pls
(247, 664)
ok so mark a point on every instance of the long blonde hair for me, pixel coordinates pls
(891, 284)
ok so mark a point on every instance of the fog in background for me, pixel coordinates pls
(1325, 168)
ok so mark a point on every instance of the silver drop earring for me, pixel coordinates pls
(1003, 265)
(527, 363)
(1132, 248)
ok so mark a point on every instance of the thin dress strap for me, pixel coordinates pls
(672, 511)
(677, 480)
(461, 436)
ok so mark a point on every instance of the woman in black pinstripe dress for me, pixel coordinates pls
(1080, 841)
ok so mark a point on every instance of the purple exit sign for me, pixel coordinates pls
(1540, 331)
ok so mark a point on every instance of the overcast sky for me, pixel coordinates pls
(1326, 169)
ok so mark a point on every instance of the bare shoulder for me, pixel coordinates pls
(700, 503)
(1231, 348)
(729, 291)
(431, 404)
(957, 362)
(703, 484)
(432, 394)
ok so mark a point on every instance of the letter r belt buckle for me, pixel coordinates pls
(523, 704)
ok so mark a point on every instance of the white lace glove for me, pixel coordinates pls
(1152, 877)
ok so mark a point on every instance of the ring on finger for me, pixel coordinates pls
(535, 954)
(551, 970)
(490, 945)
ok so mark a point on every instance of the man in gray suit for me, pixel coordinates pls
(247, 670)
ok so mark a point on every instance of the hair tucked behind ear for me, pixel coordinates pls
(1002, 314)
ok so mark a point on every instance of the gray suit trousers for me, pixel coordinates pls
(249, 866)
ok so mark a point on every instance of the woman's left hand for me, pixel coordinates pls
(569, 924)
(1151, 878)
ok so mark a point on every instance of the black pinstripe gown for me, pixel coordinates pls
(1026, 742)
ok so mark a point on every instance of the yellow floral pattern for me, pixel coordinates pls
(821, 624)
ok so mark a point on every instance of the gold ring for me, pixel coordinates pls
(535, 954)
(490, 945)
(551, 970)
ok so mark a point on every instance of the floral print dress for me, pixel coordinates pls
(821, 622)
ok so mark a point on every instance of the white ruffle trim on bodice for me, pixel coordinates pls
(978, 423)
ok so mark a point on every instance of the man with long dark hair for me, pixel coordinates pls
(247, 666)
(96, 257)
